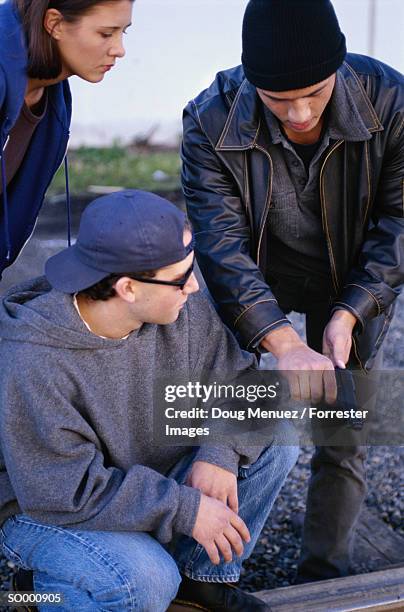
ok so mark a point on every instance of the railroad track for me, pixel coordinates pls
(373, 592)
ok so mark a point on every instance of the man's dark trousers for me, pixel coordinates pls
(337, 486)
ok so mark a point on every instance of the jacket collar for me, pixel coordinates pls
(244, 124)
(360, 99)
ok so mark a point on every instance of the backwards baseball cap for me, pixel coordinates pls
(291, 44)
(127, 231)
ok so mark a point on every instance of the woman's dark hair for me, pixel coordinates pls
(104, 289)
(44, 61)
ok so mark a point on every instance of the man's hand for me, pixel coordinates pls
(215, 482)
(309, 374)
(219, 530)
(337, 337)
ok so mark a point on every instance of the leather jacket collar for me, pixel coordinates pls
(242, 128)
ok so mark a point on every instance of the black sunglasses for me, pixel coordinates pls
(178, 283)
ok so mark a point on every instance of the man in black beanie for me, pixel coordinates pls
(293, 170)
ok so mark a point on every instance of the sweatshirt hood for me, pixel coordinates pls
(34, 312)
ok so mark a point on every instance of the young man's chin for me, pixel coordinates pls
(174, 317)
(167, 319)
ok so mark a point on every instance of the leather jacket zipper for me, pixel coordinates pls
(328, 239)
(324, 219)
(267, 203)
(6, 143)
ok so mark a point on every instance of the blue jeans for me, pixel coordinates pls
(97, 570)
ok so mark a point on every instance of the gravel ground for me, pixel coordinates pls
(273, 562)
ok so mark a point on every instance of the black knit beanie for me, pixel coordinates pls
(291, 44)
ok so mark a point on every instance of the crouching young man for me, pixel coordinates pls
(88, 501)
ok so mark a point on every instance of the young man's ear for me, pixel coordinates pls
(125, 289)
(53, 22)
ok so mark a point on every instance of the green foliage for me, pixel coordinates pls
(118, 166)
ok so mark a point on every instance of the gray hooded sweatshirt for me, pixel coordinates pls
(76, 414)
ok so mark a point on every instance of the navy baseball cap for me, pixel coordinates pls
(127, 231)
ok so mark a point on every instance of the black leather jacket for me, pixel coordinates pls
(227, 180)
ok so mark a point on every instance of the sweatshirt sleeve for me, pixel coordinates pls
(219, 351)
(60, 475)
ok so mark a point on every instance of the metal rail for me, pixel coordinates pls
(373, 592)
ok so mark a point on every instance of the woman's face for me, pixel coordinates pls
(90, 46)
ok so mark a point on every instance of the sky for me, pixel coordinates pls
(173, 51)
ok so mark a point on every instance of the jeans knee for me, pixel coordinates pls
(155, 587)
(284, 457)
(290, 456)
(275, 463)
(163, 588)
(145, 592)
(148, 584)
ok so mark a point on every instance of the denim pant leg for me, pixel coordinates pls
(93, 570)
(258, 487)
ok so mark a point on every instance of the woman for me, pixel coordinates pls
(43, 43)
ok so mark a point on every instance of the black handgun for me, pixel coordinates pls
(346, 397)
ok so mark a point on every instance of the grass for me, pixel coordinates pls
(118, 166)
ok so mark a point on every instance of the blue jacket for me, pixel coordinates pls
(21, 201)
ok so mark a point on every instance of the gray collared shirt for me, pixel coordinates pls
(296, 241)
